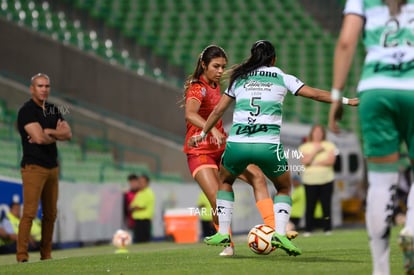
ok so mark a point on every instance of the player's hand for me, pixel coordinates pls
(353, 101)
(194, 140)
(219, 137)
(335, 114)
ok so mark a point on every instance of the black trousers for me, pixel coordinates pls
(207, 228)
(142, 231)
(315, 193)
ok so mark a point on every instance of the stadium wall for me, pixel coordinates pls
(93, 212)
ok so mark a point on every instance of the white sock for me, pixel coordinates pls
(282, 209)
(380, 202)
(409, 216)
(225, 213)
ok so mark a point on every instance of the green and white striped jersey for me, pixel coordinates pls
(389, 42)
(259, 99)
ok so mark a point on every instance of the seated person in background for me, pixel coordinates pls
(8, 234)
(9, 227)
(298, 203)
(6, 243)
(7, 246)
(206, 215)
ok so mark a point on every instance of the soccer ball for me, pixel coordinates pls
(121, 239)
(259, 239)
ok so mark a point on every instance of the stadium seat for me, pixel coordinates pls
(176, 32)
(3, 110)
(83, 4)
(11, 152)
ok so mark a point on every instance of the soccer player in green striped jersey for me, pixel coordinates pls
(386, 92)
(258, 89)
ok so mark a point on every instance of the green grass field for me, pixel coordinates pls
(344, 252)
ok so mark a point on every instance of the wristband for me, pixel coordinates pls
(345, 100)
(335, 94)
(203, 134)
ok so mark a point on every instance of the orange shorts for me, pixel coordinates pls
(200, 161)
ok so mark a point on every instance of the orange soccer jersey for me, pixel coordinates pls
(208, 98)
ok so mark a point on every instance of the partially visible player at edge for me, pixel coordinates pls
(386, 91)
(202, 93)
(259, 88)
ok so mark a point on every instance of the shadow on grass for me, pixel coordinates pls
(285, 258)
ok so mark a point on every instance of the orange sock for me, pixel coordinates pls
(265, 208)
(231, 237)
(216, 226)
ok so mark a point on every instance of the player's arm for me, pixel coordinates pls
(62, 131)
(216, 114)
(212, 120)
(323, 96)
(192, 107)
(344, 52)
(37, 135)
(345, 49)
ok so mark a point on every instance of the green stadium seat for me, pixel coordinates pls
(323, 114)
(131, 28)
(140, 67)
(100, 9)
(83, 4)
(11, 153)
(3, 110)
(176, 31)
(116, 14)
(4, 8)
(10, 172)
(70, 151)
(112, 174)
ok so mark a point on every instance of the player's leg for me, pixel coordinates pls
(225, 206)
(406, 128)
(282, 207)
(208, 180)
(255, 177)
(270, 158)
(204, 169)
(381, 146)
(232, 166)
(264, 203)
(379, 211)
(406, 237)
